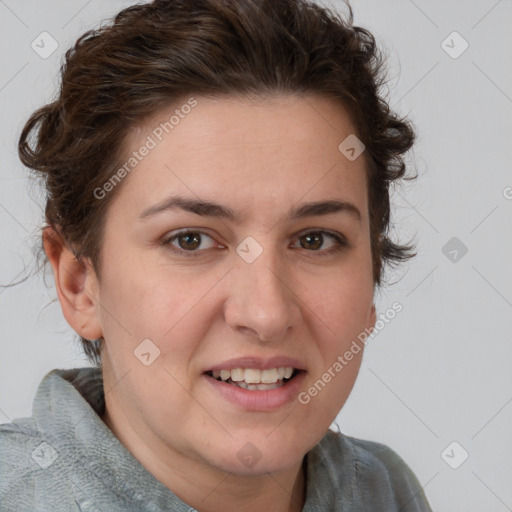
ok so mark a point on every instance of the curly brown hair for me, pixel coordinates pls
(151, 55)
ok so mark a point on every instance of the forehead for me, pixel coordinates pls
(266, 150)
(265, 120)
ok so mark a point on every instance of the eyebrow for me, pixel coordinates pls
(207, 208)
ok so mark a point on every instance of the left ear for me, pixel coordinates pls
(76, 285)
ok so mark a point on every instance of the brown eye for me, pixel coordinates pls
(315, 241)
(193, 242)
(312, 241)
(189, 241)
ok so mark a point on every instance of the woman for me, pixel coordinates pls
(217, 177)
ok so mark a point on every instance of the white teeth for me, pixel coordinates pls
(253, 376)
(259, 387)
(237, 374)
(269, 376)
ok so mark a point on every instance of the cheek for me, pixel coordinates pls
(340, 305)
(150, 303)
(174, 312)
(327, 392)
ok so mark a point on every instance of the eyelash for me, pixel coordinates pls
(341, 242)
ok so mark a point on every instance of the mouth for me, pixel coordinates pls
(254, 379)
(253, 383)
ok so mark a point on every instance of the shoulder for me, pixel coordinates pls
(18, 440)
(25, 473)
(31, 468)
(379, 475)
(372, 453)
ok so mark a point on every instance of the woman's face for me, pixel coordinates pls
(240, 272)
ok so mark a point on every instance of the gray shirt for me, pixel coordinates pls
(64, 458)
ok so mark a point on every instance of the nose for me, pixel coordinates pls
(261, 301)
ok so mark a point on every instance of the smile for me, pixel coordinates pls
(255, 379)
(257, 396)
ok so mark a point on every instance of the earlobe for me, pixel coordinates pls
(76, 285)
(372, 318)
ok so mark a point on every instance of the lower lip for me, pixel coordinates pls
(255, 400)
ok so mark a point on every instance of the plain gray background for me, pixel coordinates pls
(440, 372)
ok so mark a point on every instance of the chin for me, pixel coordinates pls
(257, 456)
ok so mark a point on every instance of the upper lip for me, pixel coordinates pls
(257, 362)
